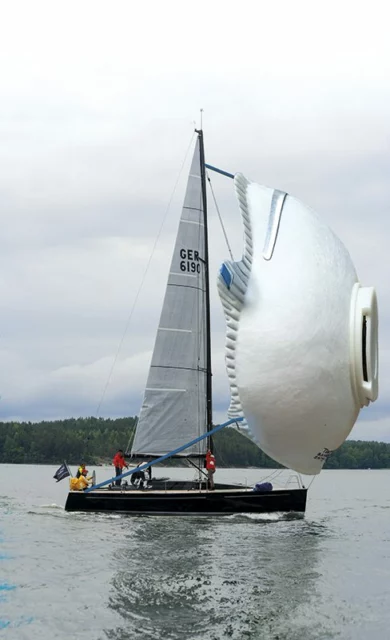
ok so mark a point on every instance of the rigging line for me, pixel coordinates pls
(132, 434)
(220, 217)
(273, 475)
(143, 279)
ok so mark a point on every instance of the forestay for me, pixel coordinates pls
(174, 407)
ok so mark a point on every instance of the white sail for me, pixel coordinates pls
(174, 407)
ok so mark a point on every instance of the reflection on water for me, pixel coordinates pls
(214, 578)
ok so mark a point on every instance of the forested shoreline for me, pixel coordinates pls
(95, 440)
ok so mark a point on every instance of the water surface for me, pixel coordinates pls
(65, 575)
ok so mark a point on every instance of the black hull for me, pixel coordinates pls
(218, 502)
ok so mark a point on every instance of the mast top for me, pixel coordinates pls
(200, 130)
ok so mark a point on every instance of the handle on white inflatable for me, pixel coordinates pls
(364, 344)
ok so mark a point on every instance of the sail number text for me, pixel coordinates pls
(190, 260)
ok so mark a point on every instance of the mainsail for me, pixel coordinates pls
(174, 409)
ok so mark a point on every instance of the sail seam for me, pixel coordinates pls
(172, 329)
(200, 224)
(168, 366)
(185, 275)
(158, 389)
(188, 286)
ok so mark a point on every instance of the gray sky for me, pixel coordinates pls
(97, 104)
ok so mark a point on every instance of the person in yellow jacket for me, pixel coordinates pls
(81, 483)
(80, 470)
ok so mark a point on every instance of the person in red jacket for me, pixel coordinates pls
(210, 466)
(119, 463)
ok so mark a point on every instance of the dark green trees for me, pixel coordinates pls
(95, 440)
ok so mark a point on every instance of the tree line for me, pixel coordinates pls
(95, 440)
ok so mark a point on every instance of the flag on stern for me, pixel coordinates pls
(62, 472)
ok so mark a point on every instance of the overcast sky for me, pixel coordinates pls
(97, 108)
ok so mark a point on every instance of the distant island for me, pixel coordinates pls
(95, 441)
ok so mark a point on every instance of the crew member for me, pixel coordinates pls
(119, 463)
(80, 470)
(139, 479)
(80, 483)
(210, 466)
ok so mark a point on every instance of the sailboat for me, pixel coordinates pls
(176, 415)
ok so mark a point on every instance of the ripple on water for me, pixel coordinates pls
(99, 576)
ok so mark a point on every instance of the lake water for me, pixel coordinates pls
(68, 575)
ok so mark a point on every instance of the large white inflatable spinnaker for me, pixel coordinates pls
(302, 333)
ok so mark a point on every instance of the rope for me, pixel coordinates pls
(273, 475)
(142, 281)
(131, 437)
(220, 218)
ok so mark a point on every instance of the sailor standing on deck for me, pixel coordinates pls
(119, 463)
(210, 466)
